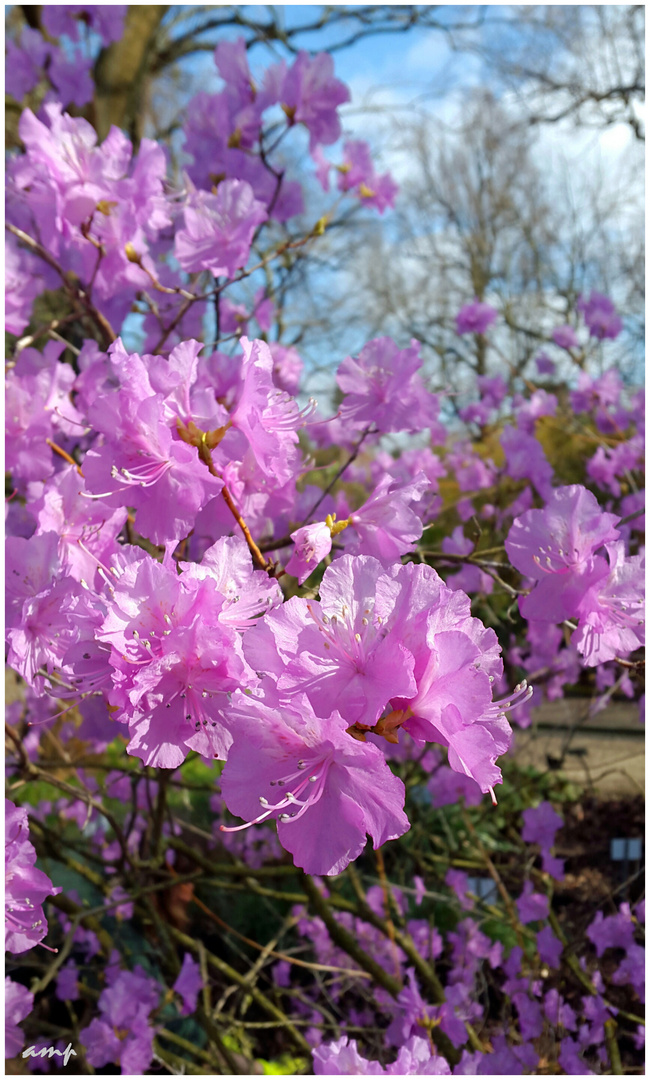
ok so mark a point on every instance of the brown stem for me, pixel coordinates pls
(77, 295)
(55, 324)
(347, 941)
(496, 877)
(206, 458)
(270, 951)
(64, 454)
(254, 550)
(89, 922)
(35, 773)
(353, 456)
(234, 976)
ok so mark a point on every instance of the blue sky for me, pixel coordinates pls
(398, 71)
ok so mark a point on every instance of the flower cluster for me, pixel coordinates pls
(166, 508)
(414, 1026)
(558, 548)
(26, 887)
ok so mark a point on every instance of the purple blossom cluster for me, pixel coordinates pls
(26, 887)
(542, 1014)
(177, 649)
(162, 527)
(123, 1032)
(36, 59)
(557, 548)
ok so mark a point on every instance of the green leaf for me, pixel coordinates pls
(285, 1065)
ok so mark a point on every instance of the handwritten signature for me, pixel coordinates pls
(51, 1051)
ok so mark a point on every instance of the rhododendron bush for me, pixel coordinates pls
(267, 652)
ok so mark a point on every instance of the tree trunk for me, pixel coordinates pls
(121, 70)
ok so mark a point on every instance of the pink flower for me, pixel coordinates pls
(19, 1002)
(71, 77)
(25, 63)
(611, 612)
(357, 172)
(40, 602)
(123, 1034)
(554, 547)
(310, 95)
(456, 661)
(612, 931)
(540, 825)
(339, 651)
(25, 887)
(600, 316)
(140, 459)
(175, 659)
(325, 789)
(565, 337)
(106, 20)
(23, 283)
(356, 166)
(311, 544)
(266, 416)
(382, 388)
(448, 787)
(386, 526)
(140, 462)
(532, 906)
(219, 229)
(475, 318)
(545, 365)
(549, 947)
(526, 460)
(397, 641)
(469, 578)
(188, 984)
(231, 59)
(492, 389)
(78, 521)
(342, 1058)
(528, 410)
(38, 407)
(287, 367)
(67, 982)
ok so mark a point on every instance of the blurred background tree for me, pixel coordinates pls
(516, 140)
